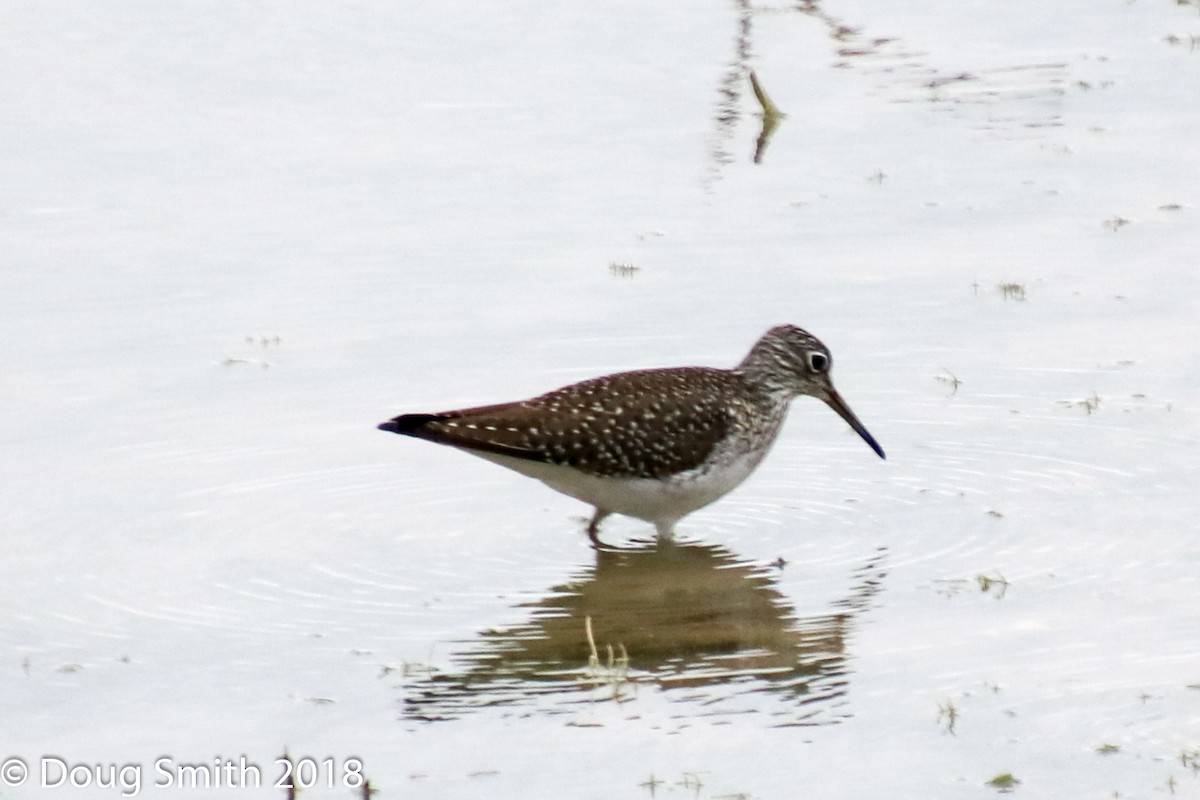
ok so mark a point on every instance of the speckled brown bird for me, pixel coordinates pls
(655, 444)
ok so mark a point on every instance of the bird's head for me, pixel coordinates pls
(789, 361)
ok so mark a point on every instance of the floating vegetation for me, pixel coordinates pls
(1012, 291)
(769, 109)
(651, 784)
(263, 342)
(771, 117)
(994, 584)
(1191, 41)
(231, 361)
(948, 716)
(408, 669)
(987, 583)
(1005, 782)
(1115, 223)
(691, 783)
(1108, 749)
(1089, 404)
(623, 270)
(614, 671)
(949, 379)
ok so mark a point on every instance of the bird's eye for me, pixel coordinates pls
(817, 362)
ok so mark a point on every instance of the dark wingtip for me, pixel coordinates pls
(406, 424)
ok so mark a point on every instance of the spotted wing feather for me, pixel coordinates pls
(649, 423)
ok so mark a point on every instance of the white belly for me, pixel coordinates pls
(662, 502)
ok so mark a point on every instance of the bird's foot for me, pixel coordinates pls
(593, 529)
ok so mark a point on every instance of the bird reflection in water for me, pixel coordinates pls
(710, 630)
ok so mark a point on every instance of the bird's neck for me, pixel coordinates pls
(762, 369)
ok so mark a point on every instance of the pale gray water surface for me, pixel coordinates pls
(233, 238)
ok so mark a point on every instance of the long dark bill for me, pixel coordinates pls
(836, 402)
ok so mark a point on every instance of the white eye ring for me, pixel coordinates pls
(817, 362)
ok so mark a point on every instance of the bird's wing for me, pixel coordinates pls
(650, 423)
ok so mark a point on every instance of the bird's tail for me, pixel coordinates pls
(408, 424)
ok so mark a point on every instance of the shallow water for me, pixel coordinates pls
(711, 631)
(233, 242)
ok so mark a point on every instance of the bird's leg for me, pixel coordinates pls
(593, 528)
(666, 530)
